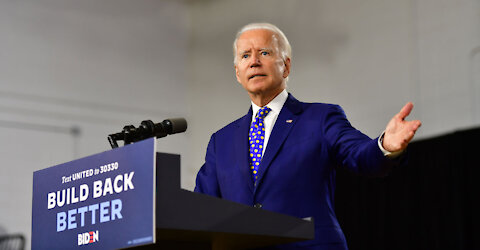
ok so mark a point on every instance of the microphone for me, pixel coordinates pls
(148, 129)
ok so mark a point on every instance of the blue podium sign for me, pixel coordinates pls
(103, 201)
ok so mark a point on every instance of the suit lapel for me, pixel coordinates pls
(285, 122)
(241, 148)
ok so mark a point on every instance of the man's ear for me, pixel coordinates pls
(286, 70)
(236, 74)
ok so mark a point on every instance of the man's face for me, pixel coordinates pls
(259, 67)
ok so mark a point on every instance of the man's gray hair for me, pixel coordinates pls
(283, 44)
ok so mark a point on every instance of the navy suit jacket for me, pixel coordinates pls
(297, 172)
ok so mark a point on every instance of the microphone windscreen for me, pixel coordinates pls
(179, 125)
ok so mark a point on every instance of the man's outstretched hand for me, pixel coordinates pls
(400, 132)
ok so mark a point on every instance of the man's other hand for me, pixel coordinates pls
(400, 132)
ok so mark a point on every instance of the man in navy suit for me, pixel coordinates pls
(281, 156)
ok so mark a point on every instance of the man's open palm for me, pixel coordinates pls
(400, 132)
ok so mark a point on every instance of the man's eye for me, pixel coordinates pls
(245, 56)
(264, 53)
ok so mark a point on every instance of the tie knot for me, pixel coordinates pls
(263, 112)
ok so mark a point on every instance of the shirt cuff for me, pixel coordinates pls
(386, 152)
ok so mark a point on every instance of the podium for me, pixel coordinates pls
(182, 219)
(188, 220)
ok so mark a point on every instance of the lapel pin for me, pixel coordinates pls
(289, 121)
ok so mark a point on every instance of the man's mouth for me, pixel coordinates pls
(253, 76)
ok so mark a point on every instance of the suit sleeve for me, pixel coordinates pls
(207, 181)
(353, 149)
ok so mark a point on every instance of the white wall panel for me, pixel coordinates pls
(93, 66)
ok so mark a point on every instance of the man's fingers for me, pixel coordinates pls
(417, 124)
(405, 110)
(399, 132)
(412, 126)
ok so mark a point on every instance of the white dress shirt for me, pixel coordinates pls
(276, 106)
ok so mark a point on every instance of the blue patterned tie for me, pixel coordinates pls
(256, 138)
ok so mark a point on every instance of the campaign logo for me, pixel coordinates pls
(87, 238)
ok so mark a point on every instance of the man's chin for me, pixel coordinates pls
(263, 91)
(256, 90)
(258, 83)
(261, 87)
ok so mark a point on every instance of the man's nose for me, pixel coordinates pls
(255, 61)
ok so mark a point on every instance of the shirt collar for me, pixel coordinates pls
(275, 105)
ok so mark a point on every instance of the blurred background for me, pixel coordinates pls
(74, 71)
